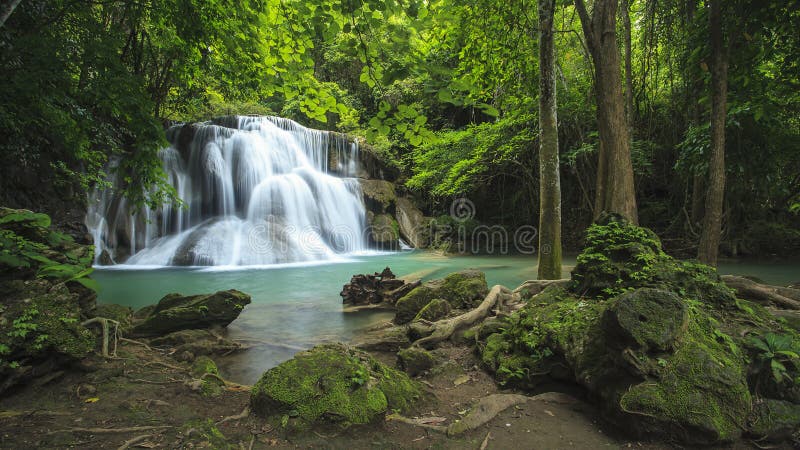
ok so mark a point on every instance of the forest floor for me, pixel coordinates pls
(143, 399)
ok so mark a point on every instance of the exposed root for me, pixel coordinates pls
(110, 430)
(443, 329)
(485, 410)
(104, 326)
(229, 384)
(132, 441)
(133, 341)
(170, 366)
(485, 442)
(245, 413)
(416, 422)
(534, 287)
(41, 412)
(783, 297)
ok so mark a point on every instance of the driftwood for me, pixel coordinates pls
(443, 329)
(783, 297)
(378, 288)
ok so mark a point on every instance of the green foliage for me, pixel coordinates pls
(779, 355)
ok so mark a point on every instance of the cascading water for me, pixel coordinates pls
(257, 191)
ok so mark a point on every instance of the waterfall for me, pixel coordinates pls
(256, 191)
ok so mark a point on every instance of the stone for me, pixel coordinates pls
(383, 231)
(413, 224)
(415, 360)
(650, 319)
(175, 312)
(436, 309)
(463, 290)
(379, 196)
(196, 342)
(774, 420)
(332, 383)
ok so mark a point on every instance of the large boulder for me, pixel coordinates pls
(661, 344)
(463, 290)
(176, 312)
(414, 226)
(332, 383)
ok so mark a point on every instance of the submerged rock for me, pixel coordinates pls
(332, 383)
(175, 312)
(462, 290)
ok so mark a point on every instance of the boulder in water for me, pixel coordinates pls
(365, 289)
(463, 290)
(176, 312)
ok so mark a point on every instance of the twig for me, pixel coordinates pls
(109, 430)
(132, 441)
(486, 441)
(245, 412)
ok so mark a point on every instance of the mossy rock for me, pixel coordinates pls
(175, 312)
(379, 196)
(205, 370)
(435, 310)
(463, 290)
(383, 230)
(415, 360)
(332, 383)
(650, 319)
(122, 314)
(774, 420)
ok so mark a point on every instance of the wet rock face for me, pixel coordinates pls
(332, 384)
(413, 224)
(175, 312)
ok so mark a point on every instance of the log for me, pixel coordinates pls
(443, 329)
(786, 298)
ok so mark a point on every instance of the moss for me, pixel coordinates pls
(206, 370)
(122, 314)
(464, 289)
(175, 312)
(332, 383)
(774, 419)
(207, 432)
(650, 319)
(435, 310)
(701, 393)
(415, 360)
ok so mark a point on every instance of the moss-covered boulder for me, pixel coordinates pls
(379, 195)
(383, 230)
(647, 319)
(46, 294)
(415, 360)
(175, 312)
(661, 344)
(205, 370)
(462, 290)
(436, 309)
(332, 384)
(122, 314)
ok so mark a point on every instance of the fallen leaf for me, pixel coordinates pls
(92, 400)
(461, 380)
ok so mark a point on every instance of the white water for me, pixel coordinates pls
(260, 191)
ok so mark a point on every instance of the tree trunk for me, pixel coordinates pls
(615, 189)
(549, 181)
(712, 221)
(626, 27)
(6, 9)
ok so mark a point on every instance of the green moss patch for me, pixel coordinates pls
(462, 290)
(332, 383)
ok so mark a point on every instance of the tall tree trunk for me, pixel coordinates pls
(695, 86)
(615, 190)
(549, 179)
(712, 221)
(624, 11)
(6, 9)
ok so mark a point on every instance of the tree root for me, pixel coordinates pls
(110, 430)
(443, 329)
(244, 414)
(534, 287)
(416, 422)
(132, 441)
(783, 297)
(104, 326)
(133, 341)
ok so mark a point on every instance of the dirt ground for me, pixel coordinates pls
(143, 399)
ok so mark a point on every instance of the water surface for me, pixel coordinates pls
(298, 306)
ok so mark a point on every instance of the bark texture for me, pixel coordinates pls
(712, 221)
(549, 178)
(615, 188)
